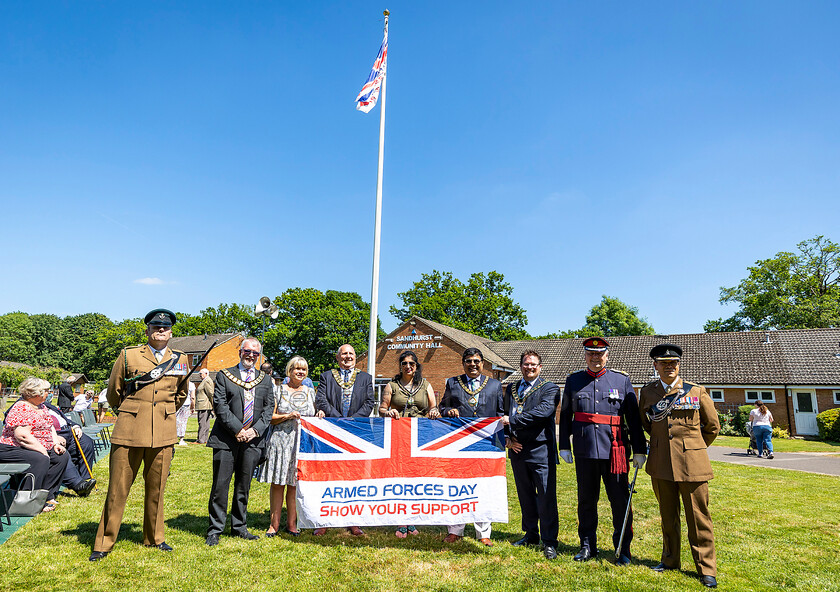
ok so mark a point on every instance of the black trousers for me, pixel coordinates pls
(239, 464)
(47, 471)
(590, 472)
(536, 487)
(76, 472)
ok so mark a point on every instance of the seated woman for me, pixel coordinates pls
(408, 395)
(292, 401)
(83, 401)
(29, 437)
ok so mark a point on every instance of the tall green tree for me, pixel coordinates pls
(609, 317)
(315, 324)
(109, 341)
(16, 343)
(49, 337)
(81, 333)
(224, 318)
(484, 305)
(789, 291)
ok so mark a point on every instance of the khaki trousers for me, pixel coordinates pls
(124, 465)
(695, 499)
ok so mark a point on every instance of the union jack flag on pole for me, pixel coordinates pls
(383, 471)
(370, 91)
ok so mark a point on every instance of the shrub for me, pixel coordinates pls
(726, 425)
(828, 423)
(780, 433)
(741, 419)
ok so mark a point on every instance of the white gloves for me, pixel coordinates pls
(639, 460)
(567, 456)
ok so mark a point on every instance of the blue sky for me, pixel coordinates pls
(649, 151)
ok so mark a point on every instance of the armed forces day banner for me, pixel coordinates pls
(383, 471)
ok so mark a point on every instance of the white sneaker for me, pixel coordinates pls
(182, 443)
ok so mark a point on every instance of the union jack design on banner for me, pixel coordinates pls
(383, 471)
(370, 91)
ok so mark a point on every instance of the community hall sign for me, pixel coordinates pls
(415, 341)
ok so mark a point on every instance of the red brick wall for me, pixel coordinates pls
(440, 362)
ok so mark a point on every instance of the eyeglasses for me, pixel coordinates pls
(407, 363)
(250, 352)
(473, 361)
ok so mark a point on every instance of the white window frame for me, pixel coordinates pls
(720, 399)
(195, 359)
(837, 397)
(759, 395)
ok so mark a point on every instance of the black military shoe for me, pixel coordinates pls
(525, 542)
(660, 567)
(550, 552)
(86, 487)
(97, 555)
(709, 581)
(584, 554)
(623, 560)
(212, 540)
(161, 546)
(247, 536)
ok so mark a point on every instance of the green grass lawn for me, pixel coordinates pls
(776, 530)
(782, 445)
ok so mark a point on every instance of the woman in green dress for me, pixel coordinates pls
(408, 395)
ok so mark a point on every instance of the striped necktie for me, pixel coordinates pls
(248, 412)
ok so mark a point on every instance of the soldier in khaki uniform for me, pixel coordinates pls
(682, 422)
(146, 387)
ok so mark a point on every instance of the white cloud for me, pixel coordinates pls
(150, 281)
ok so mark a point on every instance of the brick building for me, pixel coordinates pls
(796, 372)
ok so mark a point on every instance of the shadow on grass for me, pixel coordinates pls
(85, 532)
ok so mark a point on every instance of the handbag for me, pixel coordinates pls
(28, 502)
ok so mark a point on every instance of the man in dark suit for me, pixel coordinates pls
(65, 396)
(529, 405)
(243, 401)
(600, 409)
(471, 395)
(345, 392)
(76, 475)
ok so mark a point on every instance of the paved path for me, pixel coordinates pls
(810, 462)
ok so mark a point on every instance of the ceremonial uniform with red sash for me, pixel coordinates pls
(600, 416)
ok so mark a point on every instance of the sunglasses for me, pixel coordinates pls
(471, 362)
(250, 352)
(408, 363)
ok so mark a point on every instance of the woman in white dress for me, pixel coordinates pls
(183, 414)
(292, 401)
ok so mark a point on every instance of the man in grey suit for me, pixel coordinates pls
(243, 401)
(471, 395)
(345, 392)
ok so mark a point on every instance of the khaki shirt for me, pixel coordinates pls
(146, 418)
(678, 443)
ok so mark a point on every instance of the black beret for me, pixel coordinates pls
(160, 316)
(666, 351)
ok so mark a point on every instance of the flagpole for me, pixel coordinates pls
(374, 288)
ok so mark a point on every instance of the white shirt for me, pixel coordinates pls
(103, 396)
(757, 419)
(81, 402)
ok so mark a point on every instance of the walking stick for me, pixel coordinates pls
(627, 511)
(82, 452)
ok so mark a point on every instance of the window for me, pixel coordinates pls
(716, 395)
(195, 359)
(766, 396)
(837, 397)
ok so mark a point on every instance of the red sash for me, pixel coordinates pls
(618, 462)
